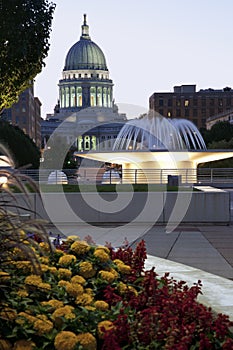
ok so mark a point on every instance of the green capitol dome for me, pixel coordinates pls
(85, 54)
(85, 78)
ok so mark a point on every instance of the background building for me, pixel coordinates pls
(197, 106)
(26, 115)
(226, 116)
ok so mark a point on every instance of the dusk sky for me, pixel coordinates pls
(149, 46)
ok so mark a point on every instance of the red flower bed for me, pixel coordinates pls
(161, 313)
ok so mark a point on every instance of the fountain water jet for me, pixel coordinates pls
(157, 133)
(173, 146)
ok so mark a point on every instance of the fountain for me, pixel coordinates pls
(156, 147)
(157, 133)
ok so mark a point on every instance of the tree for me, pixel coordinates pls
(22, 149)
(221, 131)
(24, 43)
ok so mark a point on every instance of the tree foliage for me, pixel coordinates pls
(221, 132)
(25, 27)
(22, 149)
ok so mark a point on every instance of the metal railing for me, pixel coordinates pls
(135, 176)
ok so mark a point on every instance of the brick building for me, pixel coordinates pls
(197, 106)
(26, 115)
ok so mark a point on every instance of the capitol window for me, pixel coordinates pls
(93, 96)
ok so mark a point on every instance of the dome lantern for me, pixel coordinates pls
(85, 29)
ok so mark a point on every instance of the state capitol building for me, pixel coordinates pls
(86, 98)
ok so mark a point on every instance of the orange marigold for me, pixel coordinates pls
(78, 279)
(107, 276)
(101, 305)
(87, 340)
(84, 299)
(24, 345)
(65, 311)
(80, 247)
(8, 314)
(33, 280)
(53, 303)
(124, 269)
(101, 255)
(64, 273)
(65, 340)
(103, 327)
(74, 289)
(67, 259)
(86, 269)
(43, 326)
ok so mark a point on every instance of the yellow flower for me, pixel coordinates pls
(46, 286)
(124, 269)
(72, 238)
(43, 326)
(74, 289)
(114, 272)
(84, 299)
(53, 303)
(59, 252)
(101, 305)
(86, 269)
(65, 340)
(53, 270)
(122, 287)
(44, 260)
(22, 293)
(118, 261)
(80, 247)
(67, 259)
(101, 247)
(5, 344)
(44, 246)
(4, 276)
(24, 345)
(101, 255)
(132, 289)
(64, 273)
(8, 314)
(63, 283)
(90, 308)
(78, 279)
(25, 266)
(33, 280)
(89, 291)
(44, 267)
(65, 311)
(25, 317)
(103, 327)
(107, 276)
(87, 340)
